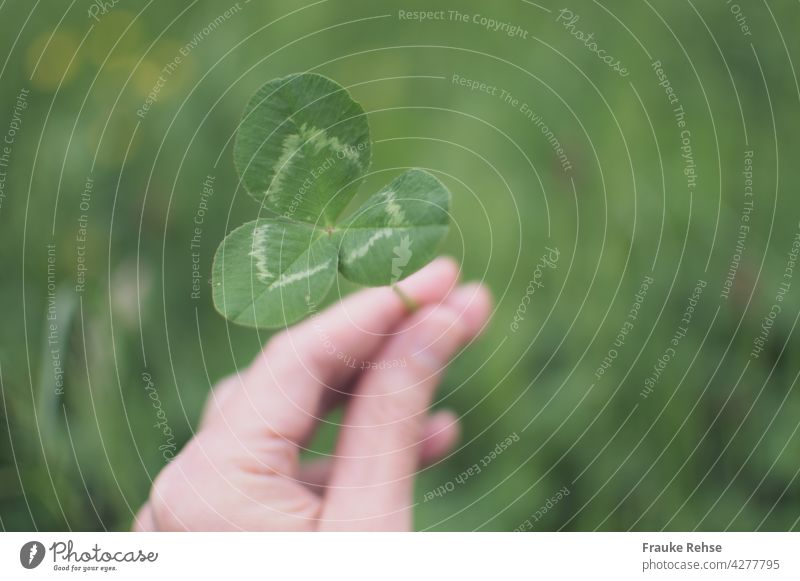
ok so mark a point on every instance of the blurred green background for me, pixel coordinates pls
(714, 444)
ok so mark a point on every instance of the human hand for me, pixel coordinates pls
(242, 471)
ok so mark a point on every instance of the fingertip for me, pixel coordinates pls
(473, 304)
(432, 282)
(374, 311)
(442, 266)
(442, 432)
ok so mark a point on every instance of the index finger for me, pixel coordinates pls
(282, 389)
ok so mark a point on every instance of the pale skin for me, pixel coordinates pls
(242, 469)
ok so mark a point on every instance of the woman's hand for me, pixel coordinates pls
(241, 471)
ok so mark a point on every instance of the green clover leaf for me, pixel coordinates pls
(396, 231)
(269, 273)
(301, 146)
(301, 149)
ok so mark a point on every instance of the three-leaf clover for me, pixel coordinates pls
(301, 150)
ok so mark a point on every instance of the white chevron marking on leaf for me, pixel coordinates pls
(402, 255)
(320, 140)
(258, 250)
(308, 135)
(362, 250)
(397, 217)
(291, 278)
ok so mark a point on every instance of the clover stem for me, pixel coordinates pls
(409, 303)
